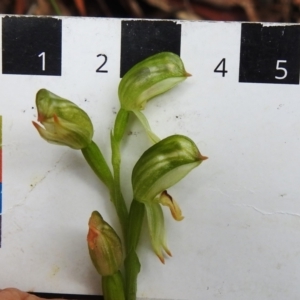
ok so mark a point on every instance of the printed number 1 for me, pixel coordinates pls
(43, 55)
(222, 64)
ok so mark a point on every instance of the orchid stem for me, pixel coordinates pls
(132, 263)
(136, 214)
(118, 197)
(97, 162)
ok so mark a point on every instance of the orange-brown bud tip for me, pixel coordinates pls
(187, 74)
(36, 125)
(202, 157)
(161, 258)
(168, 252)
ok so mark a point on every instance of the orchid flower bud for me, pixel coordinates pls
(104, 245)
(149, 78)
(160, 167)
(163, 165)
(64, 122)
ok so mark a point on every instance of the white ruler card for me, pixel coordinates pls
(240, 238)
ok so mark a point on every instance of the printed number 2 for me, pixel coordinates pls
(284, 70)
(99, 70)
(43, 55)
(223, 70)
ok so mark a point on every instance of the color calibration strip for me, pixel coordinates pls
(0, 177)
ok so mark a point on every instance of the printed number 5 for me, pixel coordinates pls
(284, 70)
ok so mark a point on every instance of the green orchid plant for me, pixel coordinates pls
(161, 166)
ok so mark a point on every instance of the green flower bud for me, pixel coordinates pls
(64, 122)
(159, 168)
(163, 165)
(149, 78)
(104, 245)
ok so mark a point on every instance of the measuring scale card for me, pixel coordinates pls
(240, 238)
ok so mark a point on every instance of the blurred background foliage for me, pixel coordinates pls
(216, 10)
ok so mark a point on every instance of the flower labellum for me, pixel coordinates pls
(167, 200)
(149, 78)
(104, 246)
(64, 122)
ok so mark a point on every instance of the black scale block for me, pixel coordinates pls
(68, 296)
(270, 54)
(141, 39)
(31, 46)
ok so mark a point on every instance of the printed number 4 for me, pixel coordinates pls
(284, 70)
(221, 67)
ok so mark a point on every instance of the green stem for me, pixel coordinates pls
(120, 124)
(136, 214)
(118, 197)
(135, 222)
(116, 137)
(132, 269)
(132, 264)
(97, 162)
(113, 287)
